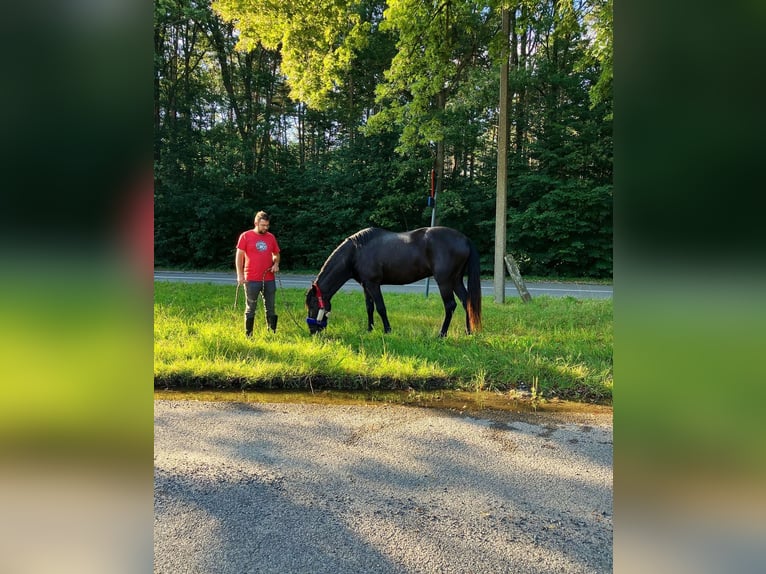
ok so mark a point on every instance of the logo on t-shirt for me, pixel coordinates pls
(261, 246)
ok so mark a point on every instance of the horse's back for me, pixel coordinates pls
(447, 241)
(416, 236)
(443, 251)
(390, 258)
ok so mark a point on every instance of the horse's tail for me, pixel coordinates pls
(474, 289)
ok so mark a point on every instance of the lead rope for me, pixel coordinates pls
(285, 305)
(263, 298)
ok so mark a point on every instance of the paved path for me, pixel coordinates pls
(553, 289)
(277, 488)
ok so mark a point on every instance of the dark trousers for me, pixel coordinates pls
(253, 289)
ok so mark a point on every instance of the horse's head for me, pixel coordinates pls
(318, 309)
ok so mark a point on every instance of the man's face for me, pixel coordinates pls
(262, 226)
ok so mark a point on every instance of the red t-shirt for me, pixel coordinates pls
(258, 254)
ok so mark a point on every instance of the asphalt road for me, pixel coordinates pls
(278, 488)
(553, 289)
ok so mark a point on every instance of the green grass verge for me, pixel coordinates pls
(554, 347)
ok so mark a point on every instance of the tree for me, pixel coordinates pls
(316, 38)
(560, 205)
(340, 108)
(436, 45)
(600, 24)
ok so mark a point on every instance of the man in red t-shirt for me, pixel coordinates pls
(257, 260)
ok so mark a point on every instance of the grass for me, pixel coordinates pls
(560, 346)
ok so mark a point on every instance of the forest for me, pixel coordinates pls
(335, 115)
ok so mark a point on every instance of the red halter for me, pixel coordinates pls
(319, 295)
(321, 314)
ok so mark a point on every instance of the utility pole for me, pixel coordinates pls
(502, 166)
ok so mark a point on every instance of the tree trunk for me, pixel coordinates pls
(159, 48)
(513, 271)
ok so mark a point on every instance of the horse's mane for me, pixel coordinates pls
(346, 250)
(361, 238)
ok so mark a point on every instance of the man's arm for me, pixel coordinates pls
(239, 262)
(275, 260)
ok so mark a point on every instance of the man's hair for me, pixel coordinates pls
(261, 215)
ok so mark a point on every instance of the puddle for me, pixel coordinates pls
(451, 400)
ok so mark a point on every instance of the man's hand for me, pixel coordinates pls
(240, 278)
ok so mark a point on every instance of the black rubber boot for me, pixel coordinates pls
(273, 323)
(249, 326)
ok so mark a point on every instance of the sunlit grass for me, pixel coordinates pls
(565, 343)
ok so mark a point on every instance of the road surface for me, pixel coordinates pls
(553, 289)
(317, 489)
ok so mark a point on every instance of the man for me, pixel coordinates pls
(257, 260)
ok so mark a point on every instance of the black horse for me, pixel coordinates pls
(375, 257)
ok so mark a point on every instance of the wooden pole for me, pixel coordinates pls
(502, 167)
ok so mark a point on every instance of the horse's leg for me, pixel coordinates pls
(370, 309)
(462, 294)
(449, 307)
(373, 291)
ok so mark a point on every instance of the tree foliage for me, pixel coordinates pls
(331, 114)
(316, 38)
